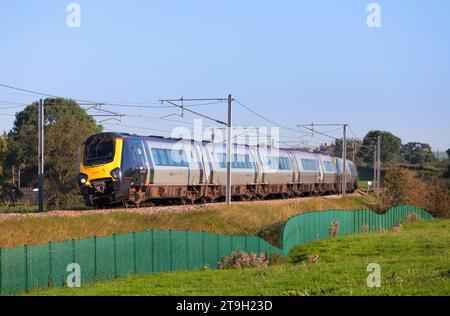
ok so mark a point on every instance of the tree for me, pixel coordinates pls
(417, 153)
(67, 125)
(351, 145)
(390, 146)
(448, 153)
(3, 150)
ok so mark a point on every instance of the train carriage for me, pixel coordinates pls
(330, 175)
(278, 171)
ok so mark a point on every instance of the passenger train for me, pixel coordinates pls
(135, 170)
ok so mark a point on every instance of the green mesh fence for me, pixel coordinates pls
(312, 226)
(107, 258)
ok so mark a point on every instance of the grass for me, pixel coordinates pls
(263, 219)
(414, 261)
(34, 208)
(363, 185)
(19, 208)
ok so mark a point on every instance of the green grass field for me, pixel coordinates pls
(264, 219)
(414, 261)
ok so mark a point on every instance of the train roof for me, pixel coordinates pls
(172, 139)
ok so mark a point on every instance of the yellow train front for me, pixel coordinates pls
(100, 175)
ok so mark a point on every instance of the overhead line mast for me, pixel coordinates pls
(228, 125)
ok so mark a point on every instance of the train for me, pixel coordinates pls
(132, 170)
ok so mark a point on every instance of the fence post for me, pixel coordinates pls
(50, 265)
(25, 250)
(134, 253)
(95, 258)
(218, 250)
(1, 276)
(203, 249)
(115, 256)
(170, 249)
(153, 252)
(73, 251)
(187, 250)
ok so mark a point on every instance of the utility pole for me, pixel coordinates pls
(375, 173)
(354, 151)
(228, 126)
(344, 158)
(13, 174)
(343, 180)
(379, 164)
(18, 179)
(41, 126)
(229, 141)
(213, 134)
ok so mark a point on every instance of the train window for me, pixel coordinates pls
(99, 150)
(138, 154)
(278, 163)
(238, 162)
(155, 153)
(329, 166)
(285, 164)
(163, 157)
(169, 157)
(310, 165)
(222, 159)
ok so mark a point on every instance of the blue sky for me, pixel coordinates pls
(295, 62)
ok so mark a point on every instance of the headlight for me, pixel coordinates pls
(82, 178)
(116, 174)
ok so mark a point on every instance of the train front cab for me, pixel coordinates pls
(100, 175)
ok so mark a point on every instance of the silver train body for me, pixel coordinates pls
(155, 169)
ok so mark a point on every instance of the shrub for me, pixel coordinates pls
(313, 258)
(9, 194)
(273, 233)
(364, 228)
(276, 259)
(334, 229)
(243, 260)
(402, 187)
(410, 218)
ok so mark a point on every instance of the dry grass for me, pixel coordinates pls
(259, 218)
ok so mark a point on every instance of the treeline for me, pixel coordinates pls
(392, 149)
(67, 125)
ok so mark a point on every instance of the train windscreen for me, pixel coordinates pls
(99, 151)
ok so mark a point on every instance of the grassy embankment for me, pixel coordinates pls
(265, 219)
(414, 261)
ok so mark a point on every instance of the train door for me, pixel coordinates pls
(294, 164)
(321, 169)
(257, 165)
(188, 151)
(204, 166)
(134, 163)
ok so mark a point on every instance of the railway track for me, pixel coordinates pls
(161, 210)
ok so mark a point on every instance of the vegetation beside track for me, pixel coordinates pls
(265, 219)
(414, 261)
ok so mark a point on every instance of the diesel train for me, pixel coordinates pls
(116, 168)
